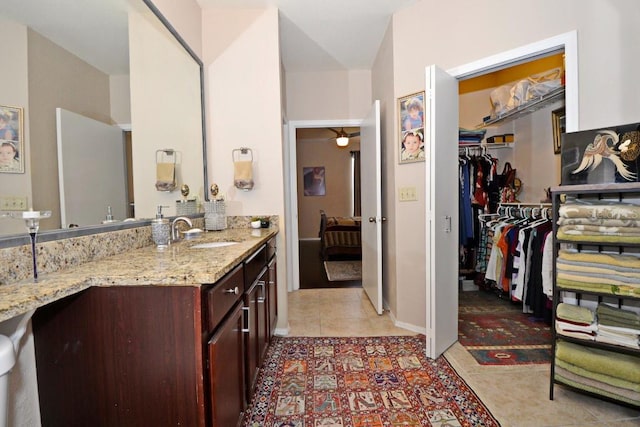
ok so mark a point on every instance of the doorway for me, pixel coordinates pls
(325, 182)
(291, 188)
(566, 43)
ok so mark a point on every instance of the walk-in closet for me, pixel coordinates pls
(508, 160)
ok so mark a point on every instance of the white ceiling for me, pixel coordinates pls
(321, 35)
(315, 35)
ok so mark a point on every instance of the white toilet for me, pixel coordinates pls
(9, 350)
(7, 361)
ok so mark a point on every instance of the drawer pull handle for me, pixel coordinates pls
(234, 291)
(262, 299)
(246, 329)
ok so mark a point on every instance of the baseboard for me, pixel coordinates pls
(408, 326)
(282, 332)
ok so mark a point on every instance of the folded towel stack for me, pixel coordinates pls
(600, 272)
(575, 321)
(618, 326)
(599, 221)
(603, 372)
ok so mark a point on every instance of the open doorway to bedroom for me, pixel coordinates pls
(327, 181)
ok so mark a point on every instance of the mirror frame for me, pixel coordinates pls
(67, 233)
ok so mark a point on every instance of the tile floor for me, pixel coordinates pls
(516, 395)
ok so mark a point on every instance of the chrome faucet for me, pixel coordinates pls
(174, 228)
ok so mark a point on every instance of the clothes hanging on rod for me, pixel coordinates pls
(476, 170)
(516, 240)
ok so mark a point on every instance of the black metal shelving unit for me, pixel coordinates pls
(623, 192)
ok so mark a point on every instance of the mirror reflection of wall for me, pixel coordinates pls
(40, 75)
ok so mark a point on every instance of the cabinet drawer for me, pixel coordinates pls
(221, 297)
(253, 266)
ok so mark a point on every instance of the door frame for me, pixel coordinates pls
(567, 41)
(291, 190)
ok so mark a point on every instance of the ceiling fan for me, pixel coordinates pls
(342, 137)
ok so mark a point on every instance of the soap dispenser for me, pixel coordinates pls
(160, 229)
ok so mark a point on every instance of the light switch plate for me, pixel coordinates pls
(407, 194)
(13, 203)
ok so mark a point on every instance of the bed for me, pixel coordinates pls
(340, 237)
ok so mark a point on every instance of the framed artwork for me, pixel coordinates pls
(314, 184)
(11, 140)
(411, 125)
(558, 120)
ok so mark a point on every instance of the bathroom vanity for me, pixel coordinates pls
(162, 344)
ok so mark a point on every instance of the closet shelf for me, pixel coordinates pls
(492, 146)
(600, 243)
(595, 344)
(528, 108)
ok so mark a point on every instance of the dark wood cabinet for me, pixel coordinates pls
(121, 357)
(272, 296)
(226, 370)
(156, 355)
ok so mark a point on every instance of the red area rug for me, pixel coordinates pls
(372, 381)
(496, 332)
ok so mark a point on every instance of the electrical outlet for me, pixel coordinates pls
(13, 203)
(407, 194)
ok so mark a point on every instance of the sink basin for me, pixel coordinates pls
(210, 245)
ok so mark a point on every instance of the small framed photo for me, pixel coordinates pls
(314, 184)
(11, 140)
(411, 125)
(558, 121)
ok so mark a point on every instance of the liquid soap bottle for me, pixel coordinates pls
(160, 230)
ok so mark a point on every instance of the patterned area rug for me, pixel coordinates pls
(496, 332)
(373, 382)
(340, 271)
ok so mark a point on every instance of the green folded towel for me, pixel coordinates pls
(574, 313)
(600, 361)
(628, 318)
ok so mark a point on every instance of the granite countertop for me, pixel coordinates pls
(177, 265)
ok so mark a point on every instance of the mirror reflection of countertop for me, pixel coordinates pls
(177, 265)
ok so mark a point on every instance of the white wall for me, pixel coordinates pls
(243, 93)
(166, 110)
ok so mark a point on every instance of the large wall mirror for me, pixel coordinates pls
(116, 62)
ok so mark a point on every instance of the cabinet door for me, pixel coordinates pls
(226, 371)
(263, 315)
(251, 336)
(121, 356)
(272, 297)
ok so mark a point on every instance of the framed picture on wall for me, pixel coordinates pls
(314, 184)
(411, 125)
(11, 140)
(558, 121)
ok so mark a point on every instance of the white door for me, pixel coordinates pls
(95, 152)
(441, 140)
(371, 194)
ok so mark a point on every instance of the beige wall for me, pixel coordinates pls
(338, 198)
(610, 42)
(57, 79)
(328, 95)
(15, 93)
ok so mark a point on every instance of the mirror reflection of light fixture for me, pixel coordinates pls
(342, 141)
